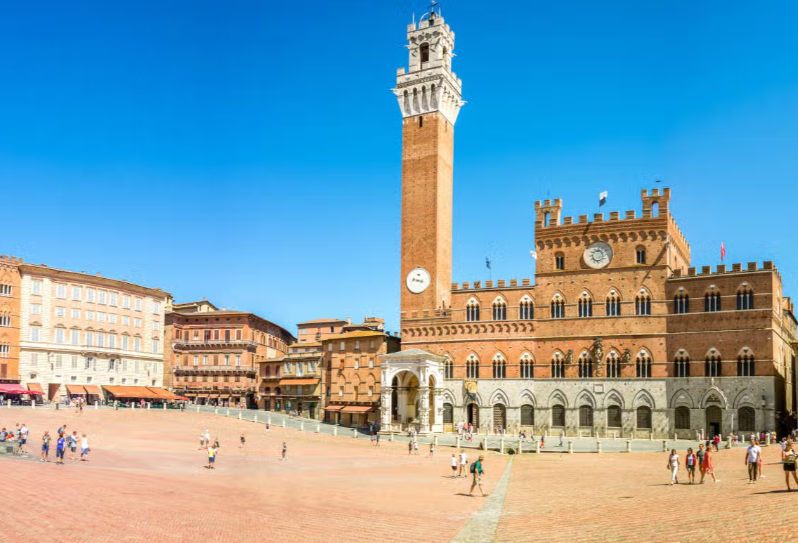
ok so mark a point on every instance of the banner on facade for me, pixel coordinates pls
(471, 389)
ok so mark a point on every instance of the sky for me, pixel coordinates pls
(250, 151)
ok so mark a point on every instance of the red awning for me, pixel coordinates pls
(15, 389)
(333, 407)
(93, 390)
(76, 390)
(35, 388)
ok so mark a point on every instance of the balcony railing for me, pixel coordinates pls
(189, 343)
(216, 370)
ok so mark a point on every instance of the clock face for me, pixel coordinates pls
(598, 255)
(418, 280)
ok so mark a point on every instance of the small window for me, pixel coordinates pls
(643, 304)
(745, 365)
(499, 310)
(585, 305)
(448, 369)
(643, 364)
(613, 365)
(641, 256)
(682, 366)
(712, 301)
(472, 367)
(712, 366)
(557, 367)
(424, 52)
(559, 262)
(472, 310)
(644, 418)
(557, 308)
(681, 304)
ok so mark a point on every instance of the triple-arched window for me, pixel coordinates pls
(745, 297)
(642, 303)
(527, 366)
(499, 367)
(585, 366)
(557, 307)
(745, 363)
(712, 301)
(526, 309)
(682, 365)
(499, 310)
(712, 365)
(557, 366)
(585, 304)
(448, 368)
(472, 310)
(472, 367)
(613, 365)
(681, 303)
(613, 304)
(643, 364)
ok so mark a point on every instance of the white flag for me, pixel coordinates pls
(534, 254)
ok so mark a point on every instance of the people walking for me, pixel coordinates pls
(377, 437)
(477, 471)
(788, 458)
(752, 454)
(60, 446)
(708, 467)
(23, 439)
(285, 451)
(690, 462)
(243, 441)
(562, 439)
(463, 463)
(432, 450)
(673, 465)
(46, 446)
(84, 448)
(211, 457)
(410, 447)
(455, 464)
(73, 444)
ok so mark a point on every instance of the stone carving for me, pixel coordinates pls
(597, 350)
(627, 357)
(569, 358)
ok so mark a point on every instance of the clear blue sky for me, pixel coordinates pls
(249, 151)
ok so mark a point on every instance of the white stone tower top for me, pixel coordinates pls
(429, 83)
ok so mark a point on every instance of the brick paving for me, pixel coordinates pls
(627, 497)
(146, 482)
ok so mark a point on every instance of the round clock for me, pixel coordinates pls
(598, 255)
(418, 280)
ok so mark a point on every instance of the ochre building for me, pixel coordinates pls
(617, 334)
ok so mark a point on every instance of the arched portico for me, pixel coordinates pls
(412, 396)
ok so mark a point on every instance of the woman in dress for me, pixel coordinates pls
(709, 469)
(673, 465)
(788, 458)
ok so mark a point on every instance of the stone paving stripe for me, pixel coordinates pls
(482, 526)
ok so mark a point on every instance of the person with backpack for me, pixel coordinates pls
(477, 472)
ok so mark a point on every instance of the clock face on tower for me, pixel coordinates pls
(418, 280)
(598, 255)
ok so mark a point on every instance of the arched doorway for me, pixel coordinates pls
(472, 414)
(499, 417)
(714, 418)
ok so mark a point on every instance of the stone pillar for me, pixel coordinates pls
(401, 399)
(520, 446)
(386, 407)
(335, 432)
(301, 424)
(423, 415)
(598, 447)
(570, 447)
(255, 419)
(664, 445)
(537, 447)
(239, 415)
(628, 446)
(318, 428)
(485, 444)
(457, 442)
(283, 423)
(227, 413)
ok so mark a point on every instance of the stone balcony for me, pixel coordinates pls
(188, 344)
(216, 370)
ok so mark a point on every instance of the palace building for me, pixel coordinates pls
(618, 333)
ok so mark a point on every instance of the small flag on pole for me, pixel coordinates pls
(534, 254)
(602, 198)
(722, 251)
(487, 263)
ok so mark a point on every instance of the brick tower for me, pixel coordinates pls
(430, 99)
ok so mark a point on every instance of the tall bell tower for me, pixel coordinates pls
(429, 95)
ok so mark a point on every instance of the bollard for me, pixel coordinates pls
(501, 445)
(598, 447)
(615, 435)
(335, 431)
(767, 439)
(227, 413)
(664, 446)
(354, 433)
(675, 436)
(628, 446)
(97, 405)
(215, 410)
(457, 442)
(318, 428)
(269, 420)
(164, 405)
(728, 443)
(435, 441)
(651, 436)
(283, 423)
(580, 434)
(133, 406)
(302, 426)
(570, 447)
(239, 415)
(537, 447)
(519, 446)
(390, 437)
(255, 419)
(198, 408)
(33, 405)
(485, 444)
(9, 404)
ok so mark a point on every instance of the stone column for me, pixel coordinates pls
(401, 398)
(599, 422)
(423, 415)
(386, 407)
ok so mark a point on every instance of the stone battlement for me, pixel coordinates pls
(14, 259)
(721, 269)
(498, 284)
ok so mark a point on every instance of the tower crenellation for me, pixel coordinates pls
(429, 84)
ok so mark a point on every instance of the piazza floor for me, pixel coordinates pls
(146, 482)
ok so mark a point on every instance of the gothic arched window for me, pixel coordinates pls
(613, 304)
(557, 366)
(642, 303)
(472, 310)
(613, 365)
(499, 310)
(745, 297)
(557, 307)
(527, 366)
(585, 366)
(745, 364)
(585, 304)
(712, 365)
(526, 309)
(682, 365)
(499, 367)
(643, 364)
(712, 301)
(681, 303)
(472, 367)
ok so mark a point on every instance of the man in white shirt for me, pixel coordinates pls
(752, 459)
(463, 464)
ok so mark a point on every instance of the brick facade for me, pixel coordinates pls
(10, 318)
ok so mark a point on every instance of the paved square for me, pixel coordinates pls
(146, 482)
